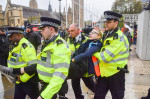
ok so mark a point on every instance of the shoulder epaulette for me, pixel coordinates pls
(115, 36)
(24, 45)
(59, 41)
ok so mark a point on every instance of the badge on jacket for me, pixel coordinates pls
(115, 36)
(59, 41)
(24, 45)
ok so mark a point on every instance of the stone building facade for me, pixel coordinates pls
(1, 16)
(33, 4)
(15, 15)
(75, 7)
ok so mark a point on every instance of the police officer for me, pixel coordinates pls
(53, 60)
(33, 38)
(113, 55)
(75, 40)
(23, 54)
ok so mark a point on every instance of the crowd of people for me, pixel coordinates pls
(98, 58)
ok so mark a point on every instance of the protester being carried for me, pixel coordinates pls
(90, 47)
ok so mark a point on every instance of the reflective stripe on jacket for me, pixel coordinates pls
(114, 53)
(53, 65)
(22, 56)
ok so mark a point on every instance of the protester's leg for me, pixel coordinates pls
(77, 88)
(89, 82)
(101, 88)
(117, 85)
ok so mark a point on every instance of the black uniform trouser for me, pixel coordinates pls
(77, 87)
(115, 83)
(23, 89)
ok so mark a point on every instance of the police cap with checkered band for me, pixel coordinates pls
(46, 21)
(14, 30)
(110, 15)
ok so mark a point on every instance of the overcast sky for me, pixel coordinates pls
(97, 7)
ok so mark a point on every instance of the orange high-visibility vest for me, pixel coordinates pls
(96, 66)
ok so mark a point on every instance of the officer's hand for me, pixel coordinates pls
(39, 97)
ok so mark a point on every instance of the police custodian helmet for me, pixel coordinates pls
(46, 21)
(14, 30)
(110, 15)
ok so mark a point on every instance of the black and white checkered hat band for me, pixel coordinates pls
(50, 23)
(111, 17)
(13, 31)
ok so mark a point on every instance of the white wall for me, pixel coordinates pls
(143, 36)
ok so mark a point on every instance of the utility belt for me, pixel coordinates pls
(125, 69)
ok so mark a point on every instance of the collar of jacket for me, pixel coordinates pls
(109, 35)
(80, 38)
(46, 42)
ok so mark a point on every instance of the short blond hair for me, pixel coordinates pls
(99, 32)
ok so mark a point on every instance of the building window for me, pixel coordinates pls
(11, 13)
(18, 20)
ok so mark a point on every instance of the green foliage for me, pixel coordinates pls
(127, 6)
(121, 23)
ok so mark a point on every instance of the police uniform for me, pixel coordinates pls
(22, 55)
(53, 61)
(113, 55)
(74, 44)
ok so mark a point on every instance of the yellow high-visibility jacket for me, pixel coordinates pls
(53, 65)
(22, 55)
(114, 53)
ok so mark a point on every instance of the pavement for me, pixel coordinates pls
(137, 81)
